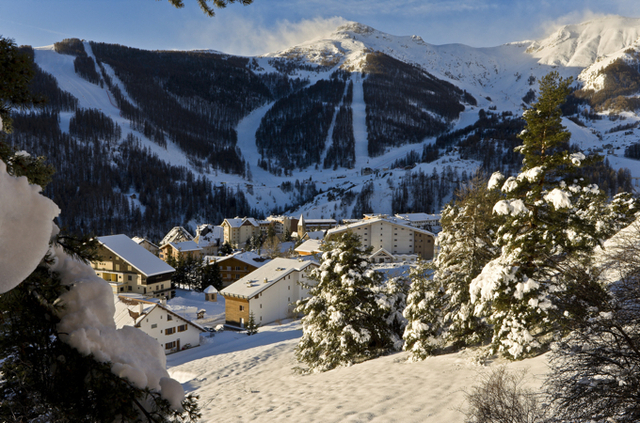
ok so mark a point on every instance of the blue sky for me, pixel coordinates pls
(270, 25)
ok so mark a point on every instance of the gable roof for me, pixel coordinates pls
(391, 220)
(248, 257)
(125, 313)
(176, 234)
(134, 254)
(309, 246)
(238, 221)
(185, 246)
(265, 276)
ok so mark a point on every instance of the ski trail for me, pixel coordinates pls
(359, 122)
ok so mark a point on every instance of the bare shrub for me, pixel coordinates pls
(501, 398)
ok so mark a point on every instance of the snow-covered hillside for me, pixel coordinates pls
(253, 378)
(498, 78)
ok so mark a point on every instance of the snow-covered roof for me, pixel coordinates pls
(418, 217)
(237, 221)
(265, 276)
(369, 221)
(311, 222)
(210, 290)
(176, 234)
(309, 246)
(248, 257)
(315, 235)
(134, 254)
(124, 317)
(185, 246)
(209, 234)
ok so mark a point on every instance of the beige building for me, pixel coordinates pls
(390, 237)
(130, 268)
(238, 231)
(180, 250)
(270, 292)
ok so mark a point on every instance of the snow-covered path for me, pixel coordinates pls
(359, 121)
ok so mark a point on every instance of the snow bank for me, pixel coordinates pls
(26, 223)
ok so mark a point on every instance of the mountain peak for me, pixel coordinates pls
(580, 45)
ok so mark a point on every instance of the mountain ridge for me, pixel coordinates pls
(481, 92)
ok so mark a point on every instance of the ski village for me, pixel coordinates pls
(360, 228)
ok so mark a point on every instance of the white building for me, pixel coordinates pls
(270, 292)
(172, 331)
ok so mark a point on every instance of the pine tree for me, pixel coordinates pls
(422, 335)
(466, 246)
(551, 225)
(252, 326)
(343, 323)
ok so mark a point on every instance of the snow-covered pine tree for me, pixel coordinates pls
(423, 312)
(466, 245)
(343, 323)
(551, 220)
(438, 308)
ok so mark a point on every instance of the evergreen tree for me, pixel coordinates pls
(551, 224)
(209, 274)
(343, 323)
(422, 335)
(225, 249)
(252, 326)
(466, 246)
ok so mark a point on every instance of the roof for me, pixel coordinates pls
(311, 222)
(248, 257)
(140, 240)
(309, 246)
(315, 235)
(265, 276)
(237, 221)
(209, 234)
(185, 246)
(391, 220)
(210, 290)
(123, 317)
(176, 234)
(418, 217)
(136, 255)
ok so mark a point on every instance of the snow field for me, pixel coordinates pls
(252, 378)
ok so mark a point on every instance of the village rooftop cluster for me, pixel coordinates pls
(264, 284)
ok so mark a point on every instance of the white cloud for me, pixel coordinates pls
(243, 37)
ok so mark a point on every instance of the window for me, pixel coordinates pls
(241, 308)
(153, 326)
(129, 288)
(129, 277)
(260, 305)
(169, 317)
(289, 287)
(170, 345)
(169, 331)
(182, 328)
(237, 276)
(237, 267)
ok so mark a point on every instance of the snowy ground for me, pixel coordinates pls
(241, 378)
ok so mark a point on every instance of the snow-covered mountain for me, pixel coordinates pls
(329, 127)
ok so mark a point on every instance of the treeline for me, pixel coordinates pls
(88, 124)
(46, 85)
(420, 192)
(293, 133)
(342, 152)
(405, 104)
(620, 88)
(132, 192)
